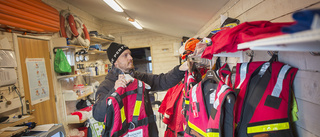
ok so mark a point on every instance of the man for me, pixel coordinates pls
(120, 57)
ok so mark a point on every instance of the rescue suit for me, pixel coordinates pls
(130, 117)
(203, 121)
(171, 108)
(264, 101)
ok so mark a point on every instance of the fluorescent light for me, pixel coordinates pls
(114, 5)
(134, 23)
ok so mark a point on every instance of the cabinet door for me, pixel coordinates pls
(44, 112)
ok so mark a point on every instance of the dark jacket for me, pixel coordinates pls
(157, 83)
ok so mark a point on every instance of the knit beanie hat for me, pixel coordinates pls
(114, 51)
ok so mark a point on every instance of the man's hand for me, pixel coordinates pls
(121, 82)
(184, 66)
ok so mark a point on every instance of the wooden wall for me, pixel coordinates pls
(306, 83)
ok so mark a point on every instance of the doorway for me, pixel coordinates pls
(142, 59)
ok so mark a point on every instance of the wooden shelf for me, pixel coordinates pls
(70, 46)
(70, 95)
(97, 40)
(100, 75)
(96, 52)
(21, 120)
(74, 119)
(75, 75)
(301, 41)
(84, 95)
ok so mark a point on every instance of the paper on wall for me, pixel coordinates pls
(7, 59)
(8, 76)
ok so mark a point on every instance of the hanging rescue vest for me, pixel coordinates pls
(242, 70)
(199, 123)
(189, 82)
(217, 125)
(264, 101)
(129, 116)
(223, 72)
(171, 107)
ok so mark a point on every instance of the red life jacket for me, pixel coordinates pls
(171, 107)
(199, 122)
(224, 71)
(264, 101)
(130, 116)
(189, 81)
(216, 124)
(242, 70)
(225, 74)
(198, 116)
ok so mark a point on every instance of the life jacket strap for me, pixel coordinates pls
(137, 106)
(122, 131)
(134, 124)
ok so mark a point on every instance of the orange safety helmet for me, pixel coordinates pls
(189, 47)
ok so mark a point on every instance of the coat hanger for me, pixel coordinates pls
(129, 77)
(211, 75)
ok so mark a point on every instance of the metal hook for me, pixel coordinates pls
(271, 53)
(251, 54)
(314, 53)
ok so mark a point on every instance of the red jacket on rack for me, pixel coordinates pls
(171, 107)
(228, 40)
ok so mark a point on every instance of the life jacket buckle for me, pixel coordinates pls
(132, 125)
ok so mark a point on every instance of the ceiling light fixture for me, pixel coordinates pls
(134, 23)
(114, 5)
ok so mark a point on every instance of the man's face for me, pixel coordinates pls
(124, 61)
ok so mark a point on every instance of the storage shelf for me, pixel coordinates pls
(74, 119)
(70, 46)
(75, 75)
(84, 95)
(69, 96)
(100, 75)
(96, 52)
(235, 54)
(301, 41)
(97, 40)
